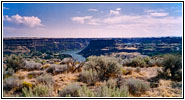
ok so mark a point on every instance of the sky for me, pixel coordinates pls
(92, 20)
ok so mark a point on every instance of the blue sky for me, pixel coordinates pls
(92, 19)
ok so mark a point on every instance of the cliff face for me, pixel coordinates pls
(98, 47)
(133, 46)
(42, 44)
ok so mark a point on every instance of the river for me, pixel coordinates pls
(75, 55)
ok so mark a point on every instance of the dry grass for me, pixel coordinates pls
(165, 89)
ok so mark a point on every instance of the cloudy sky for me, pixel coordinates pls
(92, 19)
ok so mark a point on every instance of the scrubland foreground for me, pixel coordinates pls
(98, 76)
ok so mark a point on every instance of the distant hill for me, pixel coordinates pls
(144, 46)
(95, 46)
(23, 45)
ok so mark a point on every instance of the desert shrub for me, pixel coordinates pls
(126, 61)
(84, 91)
(70, 90)
(11, 82)
(38, 91)
(15, 62)
(146, 60)
(61, 69)
(157, 62)
(111, 83)
(137, 61)
(31, 65)
(55, 69)
(105, 67)
(172, 63)
(51, 69)
(45, 79)
(137, 87)
(66, 60)
(89, 76)
(42, 91)
(105, 91)
(27, 92)
(122, 83)
(152, 62)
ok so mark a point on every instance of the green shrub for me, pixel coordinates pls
(105, 91)
(172, 63)
(45, 79)
(147, 60)
(137, 87)
(137, 61)
(111, 83)
(89, 76)
(84, 91)
(56, 69)
(157, 62)
(31, 65)
(11, 82)
(42, 91)
(70, 90)
(122, 83)
(38, 91)
(104, 66)
(15, 62)
(27, 92)
(126, 61)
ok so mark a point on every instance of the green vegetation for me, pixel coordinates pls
(15, 62)
(105, 67)
(174, 64)
(45, 79)
(12, 83)
(38, 91)
(137, 87)
(70, 90)
(89, 76)
(43, 71)
(84, 91)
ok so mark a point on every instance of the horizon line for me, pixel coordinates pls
(85, 37)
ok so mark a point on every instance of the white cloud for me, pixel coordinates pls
(6, 8)
(94, 22)
(153, 10)
(93, 10)
(118, 9)
(159, 14)
(81, 19)
(156, 12)
(115, 12)
(30, 21)
(146, 25)
(121, 19)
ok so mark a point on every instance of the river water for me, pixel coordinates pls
(74, 54)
